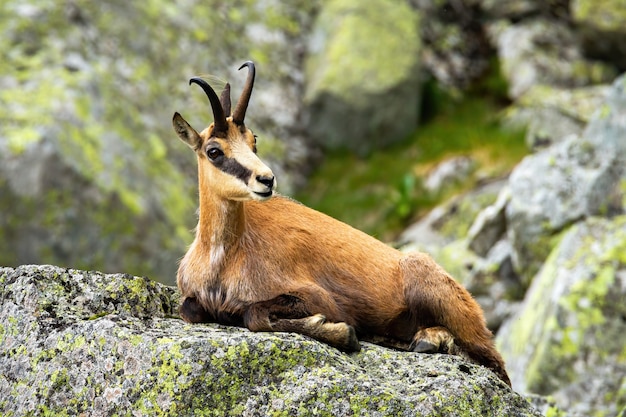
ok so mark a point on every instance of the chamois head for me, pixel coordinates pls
(227, 160)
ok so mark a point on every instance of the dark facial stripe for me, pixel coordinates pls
(233, 167)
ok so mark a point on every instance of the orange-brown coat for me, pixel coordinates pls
(268, 263)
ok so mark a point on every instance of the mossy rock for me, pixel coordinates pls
(363, 74)
(91, 172)
(531, 52)
(75, 342)
(602, 28)
(575, 178)
(551, 114)
(568, 335)
(513, 9)
(606, 15)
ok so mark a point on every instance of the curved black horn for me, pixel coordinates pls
(240, 111)
(220, 125)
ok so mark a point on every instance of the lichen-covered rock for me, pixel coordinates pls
(75, 342)
(515, 9)
(569, 181)
(363, 78)
(452, 220)
(443, 233)
(475, 254)
(455, 50)
(602, 26)
(544, 51)
(567, 341)
(91, 172)
(448, 172)
(608, 15)
(552, 114)
(489, 225)
(85, 177)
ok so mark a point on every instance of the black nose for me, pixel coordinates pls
(267, 181)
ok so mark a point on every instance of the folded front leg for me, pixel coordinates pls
(290, 313)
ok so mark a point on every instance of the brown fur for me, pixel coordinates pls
(272, 264)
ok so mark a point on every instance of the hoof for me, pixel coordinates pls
(342, 336)
(433, 340)
(424, 346)
(353, 344)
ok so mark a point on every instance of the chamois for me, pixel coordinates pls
(266, 262)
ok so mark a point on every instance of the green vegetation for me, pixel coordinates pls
(382, 193)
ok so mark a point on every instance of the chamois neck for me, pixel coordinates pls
(221, 221)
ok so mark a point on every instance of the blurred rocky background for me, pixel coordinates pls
(490, 133)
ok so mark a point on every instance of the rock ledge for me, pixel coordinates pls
(77, 342)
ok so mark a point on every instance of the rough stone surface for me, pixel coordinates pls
(456, 51)
(91, 172)
(363, 91)
(571, 180)
(466, 237)
(571, 324)
(452, 220)
(552, 114)
(76, 342)
(489, 225)
(602, 26)
(448, 172)
(543, 51)
(512, 8)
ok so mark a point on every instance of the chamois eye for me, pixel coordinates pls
(214, 153)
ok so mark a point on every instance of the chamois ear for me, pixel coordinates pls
(225, 100)
(186, 133)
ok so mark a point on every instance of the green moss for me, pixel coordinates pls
(171, 380)
(354, 60)
(561, 334)
(59, 379)
(553, 411)
(70, 342)
(464, 214)
(454, 258)
(99, 315)
(607, 15)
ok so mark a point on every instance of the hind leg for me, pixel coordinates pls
(435, 340)
(427, 340)
(291, 313)
(436, 301)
